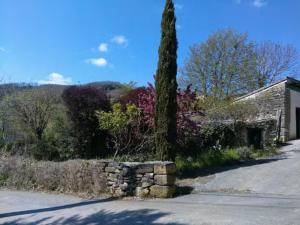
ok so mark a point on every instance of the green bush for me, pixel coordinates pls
(125, 126)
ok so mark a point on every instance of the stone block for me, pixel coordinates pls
(144, 168)
(158, 191)
(165, 168)
(149, 175)
(124, 186)
(110, 169)
(164, 179)
(119, 193)
(113, 164)
(142, 192)
(146, 184)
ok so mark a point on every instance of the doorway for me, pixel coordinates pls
(298, 122)
(255, 137)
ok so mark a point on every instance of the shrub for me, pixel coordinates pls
(216, 133)
(187, 129)
(59, 135)
(126, 128)
(43, 150)
(82, 102)
(133, 97)
(75, 176)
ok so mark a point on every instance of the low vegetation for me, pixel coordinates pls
(217, 157)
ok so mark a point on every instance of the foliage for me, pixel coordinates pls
(144, 98)
(133, 96)
(216, 133)
(222, 65)
(126, 128)
(32, 109)
(231, 111)
(81, 103)
(228, 64)
(59, 135)
(43, 150)
(266, 152)
(208, 159)
(273, 61)
(166, 87)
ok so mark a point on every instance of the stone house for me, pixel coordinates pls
(278, 114)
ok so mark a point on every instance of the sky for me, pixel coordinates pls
(76, 41)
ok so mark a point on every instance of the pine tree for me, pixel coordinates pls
(166, 87)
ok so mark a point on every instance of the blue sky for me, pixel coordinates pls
(75, 41)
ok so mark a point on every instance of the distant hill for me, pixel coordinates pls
(113, 89)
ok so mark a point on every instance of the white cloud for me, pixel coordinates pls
(103, 47)
(2, 49)
(56, 78)
(178, 6)
(259, 3)
(120, 40)
(255, 3)
(178, 26)
(100, 62)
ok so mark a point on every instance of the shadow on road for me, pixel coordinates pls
(137, 217)
(50, 209)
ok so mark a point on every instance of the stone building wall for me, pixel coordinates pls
(268, 128)
(90, 177)
(270, 102)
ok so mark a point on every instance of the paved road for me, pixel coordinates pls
(20, 208)
(272, 198)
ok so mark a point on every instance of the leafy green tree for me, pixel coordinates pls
(223, 66)
(166, 87)
(229, 64)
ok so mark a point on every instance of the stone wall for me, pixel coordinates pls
(90, 177)
(152, 179)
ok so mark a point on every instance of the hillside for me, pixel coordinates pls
(111, 88)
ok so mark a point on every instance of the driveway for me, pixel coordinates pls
(263, 194)
(278, 175)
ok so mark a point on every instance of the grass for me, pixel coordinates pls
(268, 151)
(219, 158)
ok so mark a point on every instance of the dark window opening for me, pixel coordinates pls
(298, 122)
(255, 138)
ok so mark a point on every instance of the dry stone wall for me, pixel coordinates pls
(93, 177)
(151, 179)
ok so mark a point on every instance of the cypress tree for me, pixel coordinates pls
(166, 87)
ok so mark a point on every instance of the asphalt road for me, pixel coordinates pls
(262, 194)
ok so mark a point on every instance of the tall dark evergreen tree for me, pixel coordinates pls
(166, 87)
